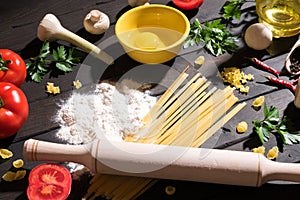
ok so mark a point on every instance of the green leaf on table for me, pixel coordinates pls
(64, 61)
(271, 115)
(272, 124)
(287, 136)
(39, 65)
(36, 66)
(262, 132)
(215, 36)
(232, 9)
(59, 54)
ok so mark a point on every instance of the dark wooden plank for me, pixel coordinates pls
(18, 32)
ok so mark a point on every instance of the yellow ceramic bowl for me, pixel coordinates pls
(152, 33)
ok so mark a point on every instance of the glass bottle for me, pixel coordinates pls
(281, 16)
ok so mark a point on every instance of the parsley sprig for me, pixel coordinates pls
(232, 9)
(40, 65)
(215, 36)
(272, 124)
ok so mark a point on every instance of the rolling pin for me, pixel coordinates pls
(166, 162)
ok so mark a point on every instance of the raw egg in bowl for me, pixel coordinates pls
(152, 34)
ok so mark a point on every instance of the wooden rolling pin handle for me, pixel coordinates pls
(169, 162)
(273, 171)
(35, 150)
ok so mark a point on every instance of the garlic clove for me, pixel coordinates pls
(96, 22)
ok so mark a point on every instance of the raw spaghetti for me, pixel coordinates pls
(187, 114)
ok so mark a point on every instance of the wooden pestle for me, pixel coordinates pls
(170, 162)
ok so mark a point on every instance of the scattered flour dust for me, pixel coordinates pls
(107, 111)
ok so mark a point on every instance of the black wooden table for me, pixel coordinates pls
(18, 32)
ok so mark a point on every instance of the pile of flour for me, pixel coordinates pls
(107, 111)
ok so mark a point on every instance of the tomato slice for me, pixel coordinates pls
(188, 4)
(49, 182)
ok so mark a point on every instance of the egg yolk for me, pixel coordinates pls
(147, 40)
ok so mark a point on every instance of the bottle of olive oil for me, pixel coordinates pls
(281, 16)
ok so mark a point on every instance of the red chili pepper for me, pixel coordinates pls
(284, 83)
(294, 82)
(265, 67)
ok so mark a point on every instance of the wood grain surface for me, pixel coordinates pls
(18, 32)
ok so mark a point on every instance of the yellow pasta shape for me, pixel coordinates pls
(170, 190)
(9, 176)
(260, 149)
(200, 60)
(20, 174)
(258, 102)
(242, 127)
(50, 88)
(77, 84)
(5, 153)
(18, 163)
(13, 176)
(273, 153)
(236, 78)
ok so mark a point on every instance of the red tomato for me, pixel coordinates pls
(13, 109)
(12, 67)
(188, 4)
(49, 182)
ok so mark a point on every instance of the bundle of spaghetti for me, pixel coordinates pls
(187, 114)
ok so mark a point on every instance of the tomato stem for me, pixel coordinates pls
(3, 63)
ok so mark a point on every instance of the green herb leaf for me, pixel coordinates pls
(262, 132)
(39, 66)
(272, 124)
(215, 36)
(36, 67)
(65, 67)
(272, 115)
(232, 9)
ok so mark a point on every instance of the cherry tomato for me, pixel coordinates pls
(13, 109)
(49, 182)
(188, 4)
(12, 67)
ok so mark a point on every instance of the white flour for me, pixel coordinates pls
(104, 112)
(108, 111)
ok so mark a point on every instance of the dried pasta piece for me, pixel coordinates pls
(273, 153)
(77, 84)
(236, 78)
(242, 127)
(200, 60)
(14, 176)
(9, 176)
(258, 102)
(260, 149)
(18, 163)
(50, 88)
(20, 174)
(170, 190)
(5, 153)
